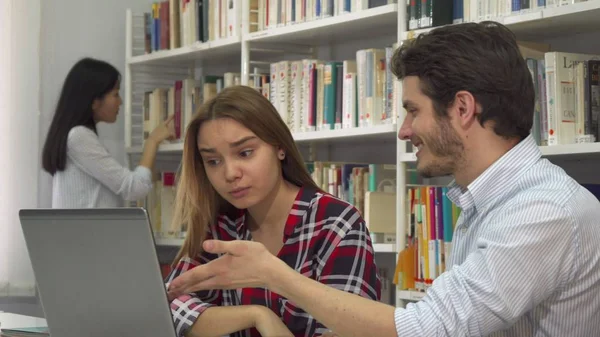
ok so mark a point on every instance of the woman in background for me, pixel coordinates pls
(84, 174)
(244, 179)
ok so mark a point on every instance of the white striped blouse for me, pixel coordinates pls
(93, 178)
(525, 257)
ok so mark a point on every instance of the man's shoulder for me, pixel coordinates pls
(547, 185)
(549, 182)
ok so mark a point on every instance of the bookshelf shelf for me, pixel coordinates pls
(355, 25)
(567, 150)
(377, 132)
(163, 148)
(384, 247)
(408, 157)
(547, 22)
(571, 150)
(168, 242)
(200, 51)
(410, 295)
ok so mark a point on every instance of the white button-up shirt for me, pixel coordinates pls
(525, 257)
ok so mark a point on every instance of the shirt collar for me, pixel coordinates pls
(498, 178)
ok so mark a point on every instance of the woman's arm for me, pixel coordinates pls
(220, 321)
(87, 153)
(187, 308)
(200, 314)
(247, 263)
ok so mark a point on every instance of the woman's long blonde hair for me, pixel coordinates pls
(197, 204)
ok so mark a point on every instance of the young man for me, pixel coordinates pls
(526, 256)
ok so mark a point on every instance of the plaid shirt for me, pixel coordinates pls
(325, 239)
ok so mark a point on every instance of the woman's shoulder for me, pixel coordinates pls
(323, 199)
(81, 133)
(326, 206)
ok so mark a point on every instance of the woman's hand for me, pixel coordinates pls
(269, 324)
(166, 130)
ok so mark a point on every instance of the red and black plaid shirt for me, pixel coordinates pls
(325, 239)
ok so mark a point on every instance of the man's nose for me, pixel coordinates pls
(405, 132)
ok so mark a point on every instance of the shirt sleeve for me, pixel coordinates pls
(87, 153)
(188, 307)
(520, 260)
(346, 258)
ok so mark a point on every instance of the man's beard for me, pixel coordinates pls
(446, 150)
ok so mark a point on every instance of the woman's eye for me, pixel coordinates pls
(212, 162)
(246, 153)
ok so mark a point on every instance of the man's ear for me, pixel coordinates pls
(465, 109)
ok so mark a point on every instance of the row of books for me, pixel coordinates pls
(371, 188)
(159, 203)
(176, 23)
(347, 94)
(567, 87)
(182, 99)
(315, 95)
(432, 13)
(351, 182)
(276, 13)
(431, 221)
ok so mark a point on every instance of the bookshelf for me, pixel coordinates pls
(545, 22)
(227, 47)
(570, 151)
(359, 24)
(338, 38)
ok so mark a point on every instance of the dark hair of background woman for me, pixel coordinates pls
(89, 79)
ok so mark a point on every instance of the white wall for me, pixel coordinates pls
(72, 29)
(52, 36)
(19, 94)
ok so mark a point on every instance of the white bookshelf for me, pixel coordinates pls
(410, 295)
(169, 242)
(356, 25)
(227, 47)
(545, 22)
(384, 247)
(377, 132)
(571, 28)
(572, 151)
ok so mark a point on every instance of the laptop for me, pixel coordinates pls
(97, 272)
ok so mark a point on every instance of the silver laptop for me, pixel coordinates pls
(97, 272)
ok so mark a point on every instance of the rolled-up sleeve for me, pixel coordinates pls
(519, 262)
(188, 307)
(87, 153)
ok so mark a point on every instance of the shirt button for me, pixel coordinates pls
(464, 230)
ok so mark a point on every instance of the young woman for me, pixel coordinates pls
(243, 178)
(84, 173)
